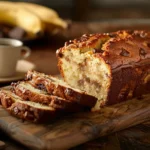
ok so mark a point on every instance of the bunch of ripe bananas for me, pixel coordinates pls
(33, 18)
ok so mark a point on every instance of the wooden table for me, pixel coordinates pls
(43, 56)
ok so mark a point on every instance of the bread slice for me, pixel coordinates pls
(27, 92)
(26, 110)
(57, 87)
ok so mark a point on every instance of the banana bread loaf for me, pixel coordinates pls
(110, 66)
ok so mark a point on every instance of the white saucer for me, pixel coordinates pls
(22, 67)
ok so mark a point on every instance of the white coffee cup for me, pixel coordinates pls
(10, 52)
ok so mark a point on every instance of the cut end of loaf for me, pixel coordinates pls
(84, 71)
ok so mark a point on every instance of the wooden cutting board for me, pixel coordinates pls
(76, 129)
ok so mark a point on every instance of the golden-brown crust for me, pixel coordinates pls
(85, 41)
(128, 82)
(127, 56)
(26, 112)
(59, 90)
(117, 50)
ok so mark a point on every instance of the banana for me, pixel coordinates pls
(12, 14)
(47, 15)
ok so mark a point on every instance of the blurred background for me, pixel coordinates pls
(97, 10)
(105, 15)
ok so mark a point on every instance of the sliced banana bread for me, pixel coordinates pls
(29, 93)
(26, 110)
(57, 87)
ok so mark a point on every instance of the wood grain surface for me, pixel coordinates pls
(73, 130)
(133, 138)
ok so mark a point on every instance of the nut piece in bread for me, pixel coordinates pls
(110, 66)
